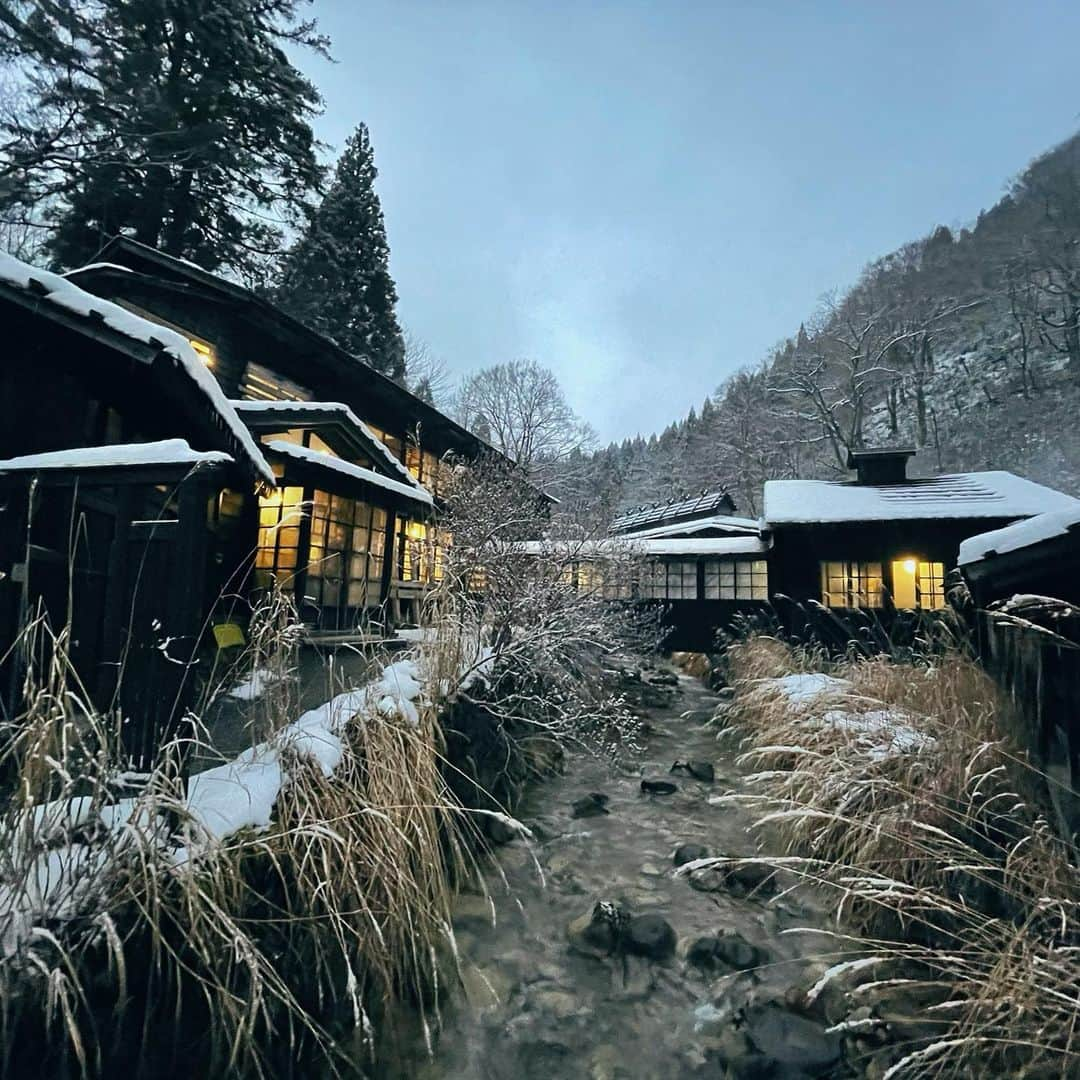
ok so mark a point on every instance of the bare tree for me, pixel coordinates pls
(426, 374)
(520, 408)
(541, 620)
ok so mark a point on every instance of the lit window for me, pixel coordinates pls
(736, 579)
(280, 514)
(851, 584)
(930, 586)
(682, 580)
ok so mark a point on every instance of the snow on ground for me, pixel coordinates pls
(815, 698)
(254, 686)
(804, 689)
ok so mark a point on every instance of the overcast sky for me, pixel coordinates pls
(647, 196)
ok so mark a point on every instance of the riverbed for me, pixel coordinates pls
(538, 1002)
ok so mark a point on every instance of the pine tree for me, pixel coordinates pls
(182, 123)
(336, 279)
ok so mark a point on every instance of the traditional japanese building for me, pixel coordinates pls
(883, 541)
(369, 457)
(170, 443)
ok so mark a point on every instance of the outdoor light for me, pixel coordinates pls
(909, 565)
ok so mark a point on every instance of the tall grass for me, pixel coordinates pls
(899, 791)
(132, 941)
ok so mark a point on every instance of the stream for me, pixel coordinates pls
(539, 1002)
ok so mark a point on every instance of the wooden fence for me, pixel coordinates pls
(1032, 650)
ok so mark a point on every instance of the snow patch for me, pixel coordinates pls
(1020, 535)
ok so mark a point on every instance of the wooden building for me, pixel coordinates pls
(1039, 555)
(878, 544)
(170, 443)
(369, 457)
(882, 541)
(115, 447)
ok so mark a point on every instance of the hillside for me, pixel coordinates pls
(966, 345)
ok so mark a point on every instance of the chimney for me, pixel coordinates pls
(887, 465)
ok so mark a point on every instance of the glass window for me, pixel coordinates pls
(280, 514)
(736, 579)
(682, 580)
(851, 584)
(930, 586)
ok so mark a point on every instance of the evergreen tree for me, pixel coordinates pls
(182, 123)
(336, 279)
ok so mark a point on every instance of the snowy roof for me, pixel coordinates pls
(330, 409)
(722, 545)
(1022, 534)
(677, 509)
(717, 521)
(355, 472)
(960, 495)
(57, 290)
(165, 452)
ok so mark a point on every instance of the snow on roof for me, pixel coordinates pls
(721, 545)
(346, 468)
(1019, 535)
(64, 294)
(331, 408)
(165, 452)
(960, 495)
(717, 521)
(97, 266)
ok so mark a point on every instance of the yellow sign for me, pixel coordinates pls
(228, 634)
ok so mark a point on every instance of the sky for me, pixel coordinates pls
(645, 197)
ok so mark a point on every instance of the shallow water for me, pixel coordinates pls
(531, 1006)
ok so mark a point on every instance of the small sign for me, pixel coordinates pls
(228, 634)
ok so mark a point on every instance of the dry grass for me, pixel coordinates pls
(247, 955)
(938, 847)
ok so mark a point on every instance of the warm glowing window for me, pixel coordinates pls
(205, 352)
(930, 586)
(851, 584)
(420, 551)
(736, 579)
(348, 542)
(280, 515)
(262, 384)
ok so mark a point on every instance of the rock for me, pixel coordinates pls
(699, 770)
(658, 787)
(727, 950)
(752, 876)
(599, 932)
(686, 853)
(662, 678)
(790, 1042)
(736, 952)
(709, 879)
(702, 953)
(726, 693)
(591, 805)
(651, 936)
(605, 1063)
(651, 870)
(500, 831)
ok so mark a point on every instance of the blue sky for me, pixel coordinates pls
(647, 196)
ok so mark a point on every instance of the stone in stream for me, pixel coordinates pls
(686, 853)
(699, 770)
(500, 831)
(592, 805)
(790, 1044)
(599, 932)
(651, 936)
(726, 950)
(658, 787)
